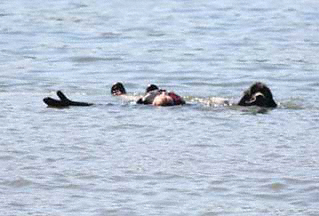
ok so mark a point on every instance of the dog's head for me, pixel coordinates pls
(258, 95)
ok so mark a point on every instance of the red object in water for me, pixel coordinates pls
(178, 100)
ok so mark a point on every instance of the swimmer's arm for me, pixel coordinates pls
(129, 97)
(211, 101)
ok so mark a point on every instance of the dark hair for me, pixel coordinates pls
(118, 89)
(151, 87)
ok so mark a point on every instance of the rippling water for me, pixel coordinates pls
(119, 158)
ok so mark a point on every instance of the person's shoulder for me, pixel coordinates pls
(148, 98)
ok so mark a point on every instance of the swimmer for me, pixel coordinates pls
(160, 97)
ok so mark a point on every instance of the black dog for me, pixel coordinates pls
(258, 95)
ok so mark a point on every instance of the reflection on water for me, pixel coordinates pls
(210, 157)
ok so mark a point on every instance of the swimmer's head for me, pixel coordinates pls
(118, 89)
(151, 87)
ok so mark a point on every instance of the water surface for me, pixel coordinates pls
(119, 158)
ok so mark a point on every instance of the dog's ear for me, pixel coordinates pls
(246, 97)
(271, 103)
